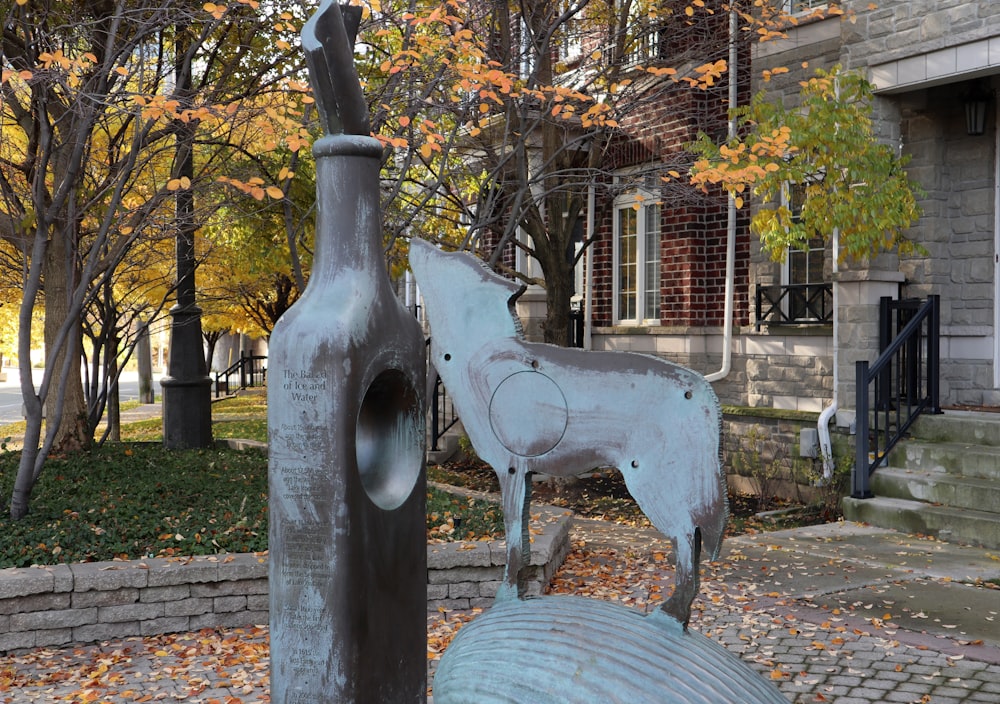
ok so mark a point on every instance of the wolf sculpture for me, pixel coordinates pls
(530, 407)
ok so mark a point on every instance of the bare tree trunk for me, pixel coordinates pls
(73, 433)
(145, 362)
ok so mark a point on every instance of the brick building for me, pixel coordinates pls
(654, 281)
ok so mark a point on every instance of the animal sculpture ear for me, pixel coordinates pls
(517, 294)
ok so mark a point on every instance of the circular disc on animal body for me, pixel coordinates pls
(528, 414)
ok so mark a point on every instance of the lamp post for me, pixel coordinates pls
(187, 388)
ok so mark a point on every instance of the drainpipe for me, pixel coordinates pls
(823, 424)
(727, 324)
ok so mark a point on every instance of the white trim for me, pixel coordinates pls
(641, 198)
(947, 65)
(996, 247)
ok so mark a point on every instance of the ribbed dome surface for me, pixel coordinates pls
(571, 650)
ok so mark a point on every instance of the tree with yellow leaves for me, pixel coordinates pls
(90, 116)
(505, 117)
(852, 184)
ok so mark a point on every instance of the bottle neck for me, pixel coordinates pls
(349, 218)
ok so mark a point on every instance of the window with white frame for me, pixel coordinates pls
(804, 267)
(637, 239)
(794, 7)
(570, 34)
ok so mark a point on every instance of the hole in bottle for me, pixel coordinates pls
(389, 439)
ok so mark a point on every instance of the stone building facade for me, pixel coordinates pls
(927, 59)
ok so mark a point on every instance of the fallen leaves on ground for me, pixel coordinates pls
(797, 643)
(212, 666)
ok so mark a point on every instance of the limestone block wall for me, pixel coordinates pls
(769, 443)
(892, 30)
(770, 369)
(96, 601)
(467, 575)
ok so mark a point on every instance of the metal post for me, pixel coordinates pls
(859, 477)
(187, 388)
(934, 356)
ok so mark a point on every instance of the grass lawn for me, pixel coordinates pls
(133, 499)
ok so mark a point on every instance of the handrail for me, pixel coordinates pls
(443, 415)
(252, 371)
(783, 304)
(906, 379)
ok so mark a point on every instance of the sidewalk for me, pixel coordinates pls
(838, 613)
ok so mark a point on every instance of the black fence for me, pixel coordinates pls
(795, 304)
(896, 388)
(248, 371)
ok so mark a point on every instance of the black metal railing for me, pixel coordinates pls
(795, 304)
(903, 382)
(648, 45)
(251, 370)
(443, 415)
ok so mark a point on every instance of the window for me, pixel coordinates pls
(794, 7)
(803, 272)
(569, 42)
(637, 239)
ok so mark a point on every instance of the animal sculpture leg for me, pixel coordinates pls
(515, 490)
(687, 551)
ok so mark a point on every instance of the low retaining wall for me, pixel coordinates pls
(467, 575)
(96, 601)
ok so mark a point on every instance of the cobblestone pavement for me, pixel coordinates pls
(841, 614)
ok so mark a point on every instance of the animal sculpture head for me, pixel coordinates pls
(486, 307)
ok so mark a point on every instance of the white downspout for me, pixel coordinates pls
(588, 275)
(727, 324)
(823, 424)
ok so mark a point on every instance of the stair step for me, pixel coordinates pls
(915, 517)
(979, 461)
(969, 427)
(935, 487)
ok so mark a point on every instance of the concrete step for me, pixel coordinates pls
(916, 517)
(954, 491)
(968, 427)
(959, 458)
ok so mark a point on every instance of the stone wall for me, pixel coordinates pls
(889, 31)
(765, 446)
(790, 370)
(467, 575)
(96, 601)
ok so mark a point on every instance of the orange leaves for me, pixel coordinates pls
(767, 74)
(8, 74)
(706, 74)
(255, 188)
(57, 58)
(231, 664)
(216, 11)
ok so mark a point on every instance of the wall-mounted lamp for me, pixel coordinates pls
(976, 105)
